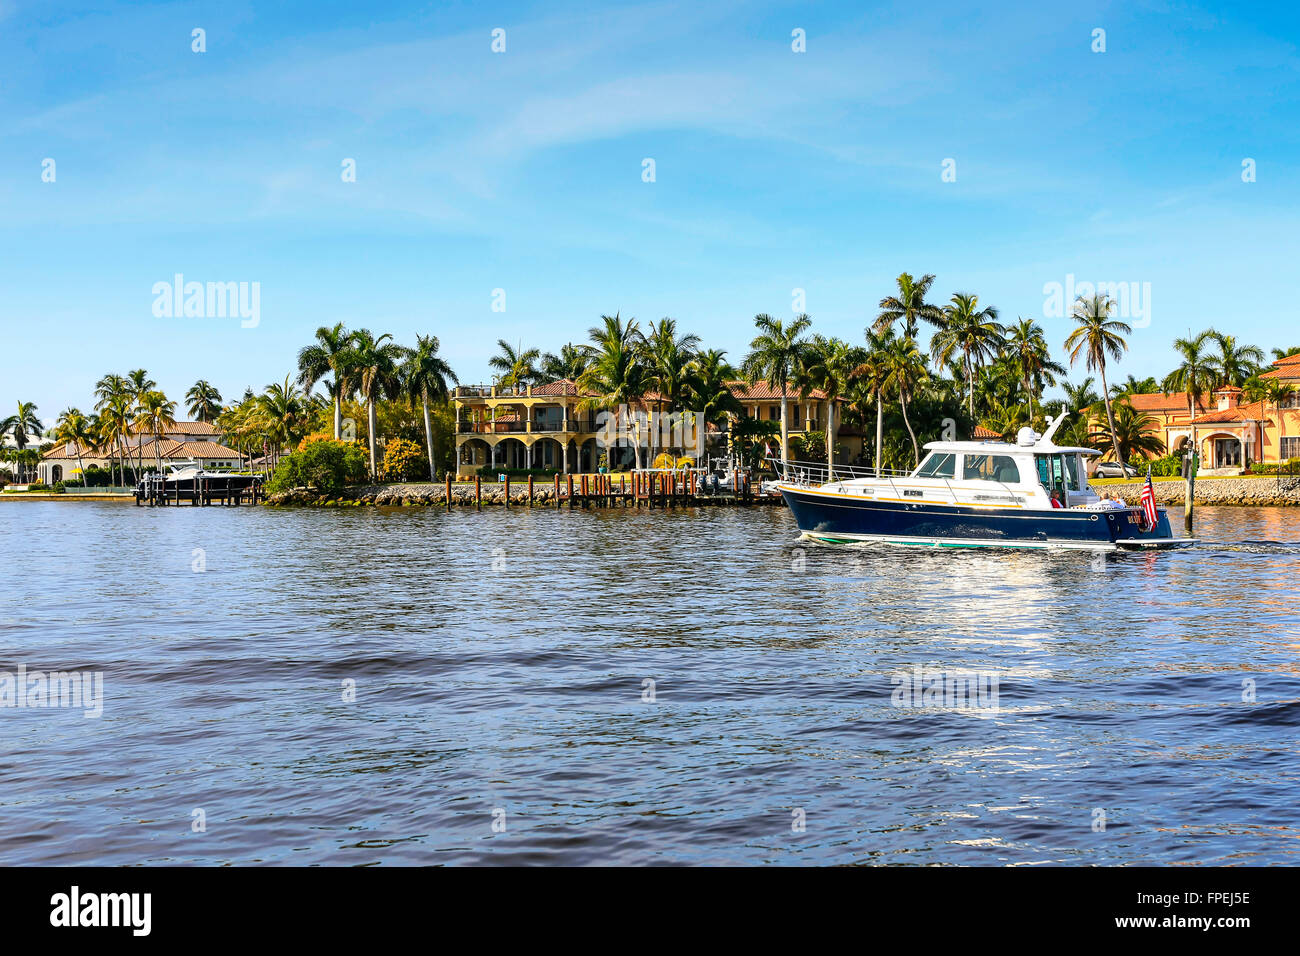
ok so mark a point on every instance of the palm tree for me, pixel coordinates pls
(1195, 374)
(827, 365)
(1285, 353)
(1095, 337)
(873, 372)
(772, 356)
(909, 305)
(1032, 358)
(155, 412)
(204, 401)
(668, 358)
(1234, 363)
(113, 402)
(23, 427)
(425, 376)
(905, 369)
(326, 356)
(1271, 391)
(710, 391)
(517, 365)
(572, 361)
(1135, 432)
(139, 384)
(75, 429)
(372, 365)
(1135, 386)
(284, 407)
(617, 376)
(972, 331)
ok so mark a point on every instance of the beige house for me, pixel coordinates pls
(181, 442)
(542, 426)
(1228, 432)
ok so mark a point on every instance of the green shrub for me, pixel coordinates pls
(326, 466)
(60, 488)
(404, 461)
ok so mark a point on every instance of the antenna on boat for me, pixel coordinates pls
(1051, 429)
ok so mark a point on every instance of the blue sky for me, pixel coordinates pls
(522, 171)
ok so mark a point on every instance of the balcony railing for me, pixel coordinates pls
(551, 427)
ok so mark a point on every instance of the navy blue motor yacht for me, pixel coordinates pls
(1030, 494)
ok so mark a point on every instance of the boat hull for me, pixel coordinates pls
(840, 518)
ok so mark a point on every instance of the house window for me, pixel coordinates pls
(774, 412)
(1291, 447)
(1291, 401)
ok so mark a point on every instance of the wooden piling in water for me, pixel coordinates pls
(448, 478)
(570, 491)
(557, 489)
(507, 497)
(478, 491)
(530, 491)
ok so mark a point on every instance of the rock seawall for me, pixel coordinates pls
(1253, 490)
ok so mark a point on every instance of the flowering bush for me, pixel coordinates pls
(325, 465)
(404, 461)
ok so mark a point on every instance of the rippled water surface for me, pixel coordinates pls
(500, 663)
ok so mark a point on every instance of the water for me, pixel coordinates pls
(499, 662)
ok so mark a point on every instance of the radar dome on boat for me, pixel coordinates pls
(1026, 436)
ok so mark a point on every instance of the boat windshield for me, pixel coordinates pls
(1058, 472)
(938, 465)
(992, 468)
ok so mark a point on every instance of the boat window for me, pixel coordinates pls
(1058, 472)
(992, 468)
(938, 466)
(1071, 472)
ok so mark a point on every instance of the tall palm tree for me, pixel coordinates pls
(710, 392)
(618, 375)
(1234, 363)
(326, 356)
(425, 376)
(75, 429)
(973, 332)
(572, 361)
(204, 401)
(155, 412)
(905, 370)
(1285, 352)
(1195, 373)
(284, 406)
(372, 365)
(873, 373)
(113, 402)
(1032, 358)
(24, 426)
(517, 365)
(139, 384)
(909, 306)
(1271, 391)
(827, 365)
(668, 358)
(772, 356)
(1096, 336)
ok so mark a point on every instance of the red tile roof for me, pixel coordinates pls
(1254, 411)
(763, 392)
(1168, 402)
(1286, 367)
(982, 432)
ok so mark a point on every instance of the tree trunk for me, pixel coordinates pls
(880, 427)
(830, 440)
(1110, 417)
(970, 388)
(916, 450)
(372, 425)
(338, 414)
(428, 437)
(785, 431)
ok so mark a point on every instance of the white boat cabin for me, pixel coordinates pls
(1033, 473)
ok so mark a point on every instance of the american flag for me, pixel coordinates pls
(1149, 502)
